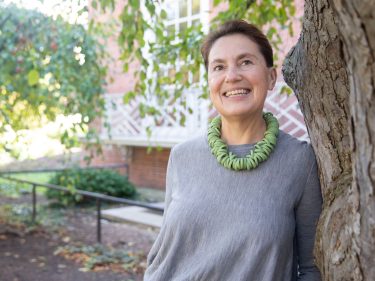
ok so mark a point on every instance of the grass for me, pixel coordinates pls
(36, 177)
(13, 189)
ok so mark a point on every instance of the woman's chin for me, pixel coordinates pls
(238, 114)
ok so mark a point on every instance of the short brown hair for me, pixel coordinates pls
(238, 27)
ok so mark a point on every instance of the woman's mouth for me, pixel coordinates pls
(238, 92)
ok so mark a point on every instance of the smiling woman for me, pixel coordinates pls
(238, 82)
(242, 203)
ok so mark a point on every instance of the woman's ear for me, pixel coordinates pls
(272, 78)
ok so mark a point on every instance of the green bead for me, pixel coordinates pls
(243, 163)
(258, 154)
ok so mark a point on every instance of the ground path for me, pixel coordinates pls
(28, 255)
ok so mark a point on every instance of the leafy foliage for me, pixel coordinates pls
(182, 53)
(98, 257)
(101, 181)
(20, 214)
(16, 214)
(48, 67)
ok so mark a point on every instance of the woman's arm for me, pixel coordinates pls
(170, 182)
(307, 215)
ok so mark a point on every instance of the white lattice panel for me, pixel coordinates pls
(126, 122)
(124, 119)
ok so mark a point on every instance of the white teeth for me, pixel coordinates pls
(240, 92)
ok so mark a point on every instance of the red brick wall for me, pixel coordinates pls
(112, 155)
(143, 169)
(148, 169)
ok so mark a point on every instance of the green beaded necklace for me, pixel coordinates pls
(260, 153)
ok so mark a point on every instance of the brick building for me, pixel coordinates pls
(147, 157)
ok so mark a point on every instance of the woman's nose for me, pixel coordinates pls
(232, 74)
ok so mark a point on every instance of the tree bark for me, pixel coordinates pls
(332, 72)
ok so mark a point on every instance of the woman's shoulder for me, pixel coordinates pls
(193, 145)
(192, 150)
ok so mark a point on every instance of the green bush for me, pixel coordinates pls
(102, 181)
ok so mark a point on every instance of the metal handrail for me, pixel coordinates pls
(98, 196)
(98, 167)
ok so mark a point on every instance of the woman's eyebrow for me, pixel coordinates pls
(240, 56)
(245, 55)
(217, 61)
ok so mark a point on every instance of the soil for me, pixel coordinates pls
(29, 253)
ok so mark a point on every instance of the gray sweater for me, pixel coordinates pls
(223, 225)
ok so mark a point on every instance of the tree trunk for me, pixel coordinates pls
(332, 71)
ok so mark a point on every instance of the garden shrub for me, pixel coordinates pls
(102, 181)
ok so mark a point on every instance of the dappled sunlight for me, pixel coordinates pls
(70, 11)
(39, 142)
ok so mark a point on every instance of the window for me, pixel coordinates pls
(177, 110)
(182, 14)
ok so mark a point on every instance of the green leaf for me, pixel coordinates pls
(94, 4)
(126, 67)
(148, 132)
(33, 77)
(163, 14)
(128, 97)
(286, 90)
(183, 120)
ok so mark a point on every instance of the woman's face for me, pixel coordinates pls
(238, 77)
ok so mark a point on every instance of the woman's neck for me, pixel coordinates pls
(236, 131)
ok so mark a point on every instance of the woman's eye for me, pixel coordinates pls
(246, 62)
(218, 67)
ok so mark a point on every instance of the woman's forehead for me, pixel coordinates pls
(233, 46)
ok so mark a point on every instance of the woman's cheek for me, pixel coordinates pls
(213, 84)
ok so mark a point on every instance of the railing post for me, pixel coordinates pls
(98, 222)
(34, 204)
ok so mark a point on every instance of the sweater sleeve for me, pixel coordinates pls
(170, 182)
(307, 214)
